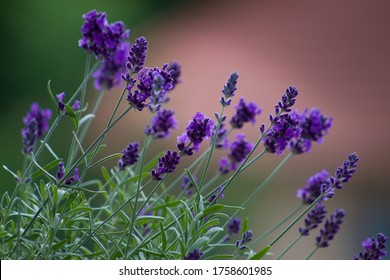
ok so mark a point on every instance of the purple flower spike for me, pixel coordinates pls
(137, 55)
(344, 173)
(162, 122)
(74, 178)
(174, 69)
(60, 173)
(239, 149)
(166, 164)
(374, 249)
(313, 188)
(288, 100)
(152, 89)
(36, 125)
(198, 130)
(313, 219)
(60, 98)
(108, 43)
(234, 226)
(246, 238)
(224, 166)
(284, 128)
(330, 229)
(229, 89)
(245, 112)
(130, 156)
(216, 195)
(76, 105)
(314, 125)
(196, 254)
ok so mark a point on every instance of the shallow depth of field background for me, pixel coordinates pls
(335, 52)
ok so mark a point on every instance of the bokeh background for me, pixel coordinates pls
(335, 52)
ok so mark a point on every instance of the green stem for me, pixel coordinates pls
(296, 220)
(277, 225)
(312, 253)
(213, 142)
(147, 142)
(289, 247)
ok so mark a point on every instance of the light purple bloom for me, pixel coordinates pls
(245, 112)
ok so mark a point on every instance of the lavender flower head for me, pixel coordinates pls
(229, 89)
(137, 55)
(245, 112)
(283, 129)
(152, 89)
(344, 172)
(330, 229)
(174, 69)
(130, 156)
(313, 219)
(161, 125)
(239, 149)
(246, 238)
(61, 104)
(234, 226)
(36, 124)
(108, 43)
(198, 130)
(196, 254)
(314, 125)
(313, 188)
(60, 173)
(166, 164)
(74, 178)
(374, 249)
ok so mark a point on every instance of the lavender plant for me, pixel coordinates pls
(57, 211)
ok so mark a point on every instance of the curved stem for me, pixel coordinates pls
(312, 253)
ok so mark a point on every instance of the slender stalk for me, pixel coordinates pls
(213, 142)
(277, 225)
(296, 220)
(147, 142)
(289, 247)
(312, 253)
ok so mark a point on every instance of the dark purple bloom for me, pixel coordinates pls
(162, 122)
(130, 156)
(314, 125)
(330, 229)
(74, 178)
(166, 164)
(234, 226)
(313, 219)
(199, 129)
(374, 249)
(344, 172)
(110, 72)
(288, 100)
(108, 43)
(196, 254)
(224, 166)
(239, 149)
(60, 173)
(229, 89)
(137, 55)
(246, 238)
(300, 146)
(76, 105)
(245, 112)
(152, 89)
(36, 125)
(60, 98)
(187, 184)
(313, 188)
(283, 129)
(101, 38)
(174, 69)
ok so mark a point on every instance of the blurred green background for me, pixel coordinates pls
(337, 55)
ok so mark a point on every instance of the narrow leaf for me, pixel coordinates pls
(213, 209)
(260, 254)
(72, 115)
(116, 155)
